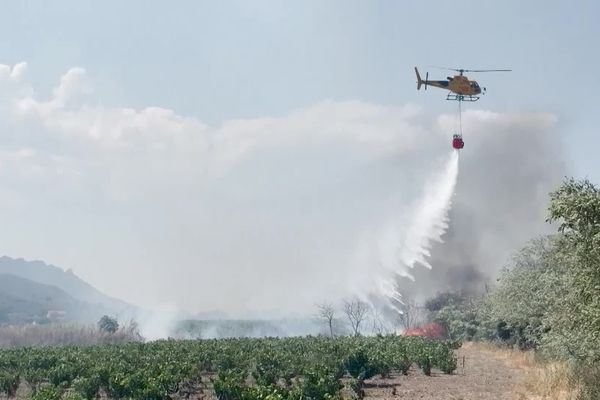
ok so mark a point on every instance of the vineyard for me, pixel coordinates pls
(227, 369)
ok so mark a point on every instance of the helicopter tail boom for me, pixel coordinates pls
(419, 80)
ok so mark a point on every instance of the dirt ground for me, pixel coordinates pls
(483, 373)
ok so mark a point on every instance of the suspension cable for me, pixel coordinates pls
(460, 116)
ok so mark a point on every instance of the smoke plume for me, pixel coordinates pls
(266, 214)
(509, 165)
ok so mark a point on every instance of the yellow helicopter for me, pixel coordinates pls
(460, 87)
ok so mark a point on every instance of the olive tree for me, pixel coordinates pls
(575, 205)
(530, 289)
(108, 324)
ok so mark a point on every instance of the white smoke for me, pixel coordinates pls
(160, 322)
(261, 214)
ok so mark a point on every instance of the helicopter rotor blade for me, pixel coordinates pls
(448, 68)
(461, 70)
(487, 70)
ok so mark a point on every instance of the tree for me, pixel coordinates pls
(529, 292)
(456, 312)
(326, 312)
(356, 310)
(108, 324)
(132, 330)
(576, 206)
(381, 325)
(411, 313)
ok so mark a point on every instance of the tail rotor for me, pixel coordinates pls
(421, 81)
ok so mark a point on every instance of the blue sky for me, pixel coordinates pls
(215, 63)
(234, 59)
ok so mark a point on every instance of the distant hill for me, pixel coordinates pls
(34, 286)
(22, 300)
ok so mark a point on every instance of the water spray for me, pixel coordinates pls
(426, 225)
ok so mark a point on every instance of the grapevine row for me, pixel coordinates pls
(230, 369)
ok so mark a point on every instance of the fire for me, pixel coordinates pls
(429, 330)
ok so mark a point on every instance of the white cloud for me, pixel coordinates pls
(134, 140)
(14, 73)
(12, 84)
(69, 113)
(251, 213)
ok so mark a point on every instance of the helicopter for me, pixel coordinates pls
(461, 88)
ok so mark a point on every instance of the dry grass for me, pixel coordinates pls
(63, 334)
(553, 380)
(542, 380)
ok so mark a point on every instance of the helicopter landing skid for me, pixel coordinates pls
(461, 97)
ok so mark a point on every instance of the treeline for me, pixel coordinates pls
(548, 298)
(106, 331)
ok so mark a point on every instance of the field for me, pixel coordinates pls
(483, 373)
(293, 368)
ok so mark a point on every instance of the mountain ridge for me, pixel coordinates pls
(74, 293)
(23, 300)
